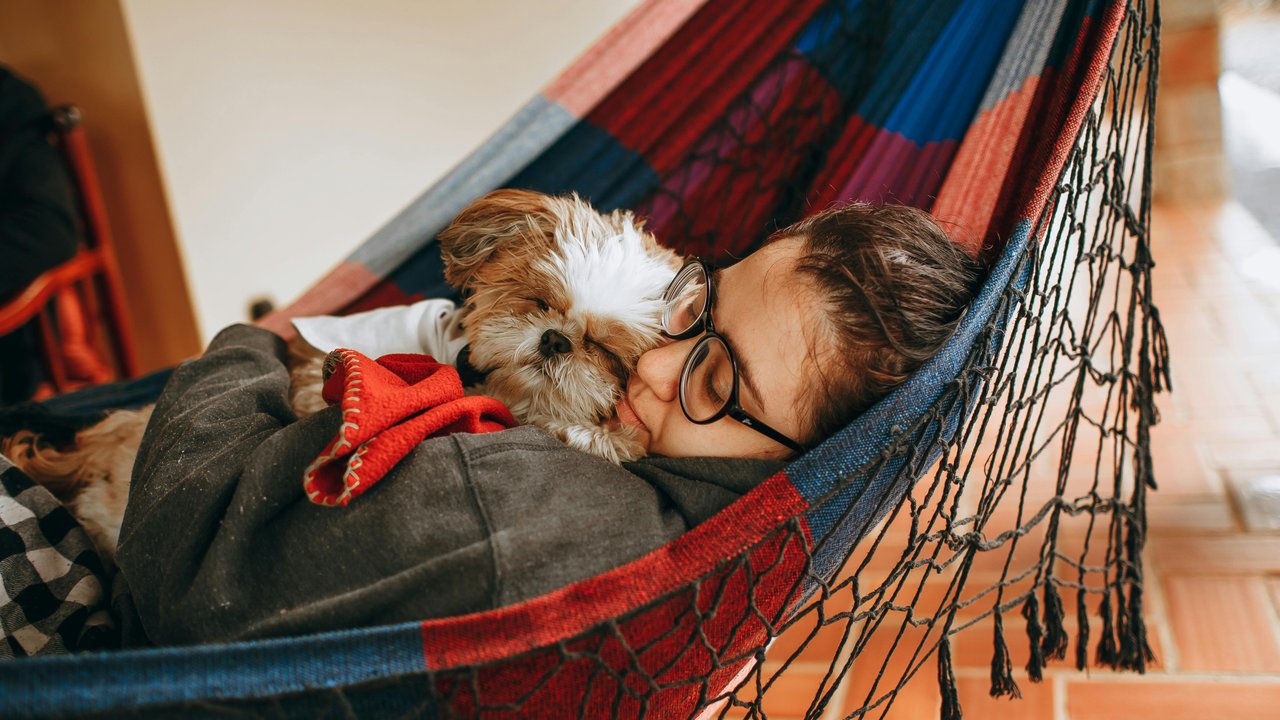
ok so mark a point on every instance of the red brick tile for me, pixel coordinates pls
(1108, 699)
(810, 639)
(1031, 546)
(1191, 515)
(977, 704)
(1215, 554)
(787, 697)
(1257, 498)
(1189, 55)
(890, 650)
(1228, 423)
(918, 699)
(1239, 320)
(1222, 623)
(1180, 467)
(974, 646)
(1191, 333)
(1244, 454)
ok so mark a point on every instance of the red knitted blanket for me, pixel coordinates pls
(388, 407)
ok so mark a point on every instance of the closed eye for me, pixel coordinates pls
(717, 385)
(619, 367)
(541, 304)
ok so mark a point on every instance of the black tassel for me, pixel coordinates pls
(1135, 650)
(1082, 630)
(1161, 378)
(1124, 635)
(1035, 663)
(1054, 644)
(947, 682)
(1001, 666)
(1141, 651)
(1108, 653)
(1131, 628)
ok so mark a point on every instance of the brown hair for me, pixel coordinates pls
(894, 286)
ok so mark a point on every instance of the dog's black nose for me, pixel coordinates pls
(553, 343)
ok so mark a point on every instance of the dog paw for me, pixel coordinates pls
(615, 445)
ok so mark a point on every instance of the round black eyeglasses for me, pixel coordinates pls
(709, 379)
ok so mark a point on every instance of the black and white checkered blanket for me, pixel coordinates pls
(52, 596)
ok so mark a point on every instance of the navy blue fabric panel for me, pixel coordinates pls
(98, 684)
(1078, 12)
(941, 100)
(405, 697)
(111, 396)
(590, 162)
(870, 51)
(423, 274)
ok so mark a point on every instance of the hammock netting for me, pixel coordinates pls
(996, 498)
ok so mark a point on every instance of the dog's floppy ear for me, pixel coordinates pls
(517, 220)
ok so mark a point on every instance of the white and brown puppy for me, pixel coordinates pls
(560, 301)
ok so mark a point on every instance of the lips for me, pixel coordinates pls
(627, 415)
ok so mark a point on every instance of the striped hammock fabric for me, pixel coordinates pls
(721, 121)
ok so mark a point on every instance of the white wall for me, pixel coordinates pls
(289, 130)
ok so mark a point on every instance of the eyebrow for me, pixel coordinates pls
(744, 366)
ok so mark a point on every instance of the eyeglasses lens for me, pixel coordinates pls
(685, 299)
(706, 385)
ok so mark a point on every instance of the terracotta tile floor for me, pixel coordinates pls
(1213, 582)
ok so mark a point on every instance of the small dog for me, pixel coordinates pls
(560, 301)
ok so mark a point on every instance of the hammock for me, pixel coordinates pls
(955, 502)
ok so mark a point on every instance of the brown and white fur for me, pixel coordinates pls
(528, 265)
(560, 301)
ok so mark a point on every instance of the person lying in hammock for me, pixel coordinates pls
(778, 352)
(768, 357)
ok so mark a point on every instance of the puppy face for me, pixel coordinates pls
(560, 300)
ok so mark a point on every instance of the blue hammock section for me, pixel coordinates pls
(720, 122)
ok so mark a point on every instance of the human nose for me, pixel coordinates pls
(660, 368)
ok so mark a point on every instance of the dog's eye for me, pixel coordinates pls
(542, 304)
(618, 366)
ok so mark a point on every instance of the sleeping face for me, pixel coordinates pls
(765, 313)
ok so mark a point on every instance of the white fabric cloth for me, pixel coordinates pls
(427, 326)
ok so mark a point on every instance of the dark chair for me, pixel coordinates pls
(83, 297)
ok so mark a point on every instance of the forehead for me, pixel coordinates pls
(765, 310)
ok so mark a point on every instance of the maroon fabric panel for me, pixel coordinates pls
(696, 75)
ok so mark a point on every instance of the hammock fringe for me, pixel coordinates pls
(1002, 682)
(947, 682)
(1108, 653)
(1035, 634)
(1054, 643)
(1082, 629)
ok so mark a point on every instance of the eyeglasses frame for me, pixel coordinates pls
(703, 325)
